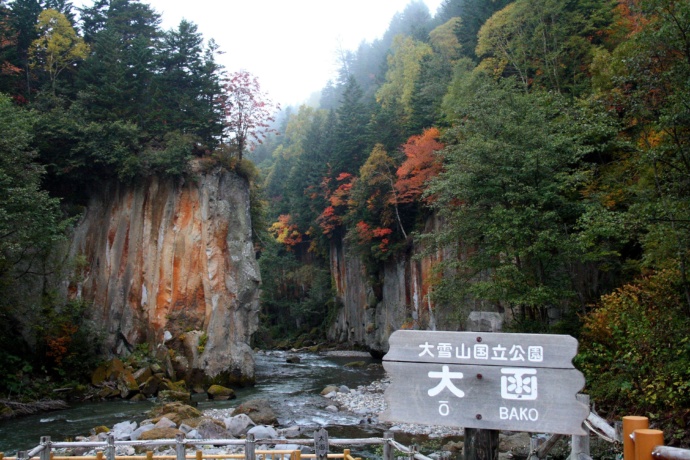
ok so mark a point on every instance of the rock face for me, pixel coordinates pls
(398, 299)
(170, 263)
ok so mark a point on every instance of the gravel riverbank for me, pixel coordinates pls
(368, 402)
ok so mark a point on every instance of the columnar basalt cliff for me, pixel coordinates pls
(170, 263)
(398, 298)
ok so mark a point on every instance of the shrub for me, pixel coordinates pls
(636, 351)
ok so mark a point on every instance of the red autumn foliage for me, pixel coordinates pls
(420, 166)
(248, 111)
(332, 217)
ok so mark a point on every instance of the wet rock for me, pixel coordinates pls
(259, 410)
(343, 389)
(356, 364)
(329, 389)
(331, 409)
(220, 393)
(293, 359)
(172, 395)
(100, 429)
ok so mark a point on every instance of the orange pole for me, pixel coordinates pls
(199, 455)
(630, 424)
(645, 442)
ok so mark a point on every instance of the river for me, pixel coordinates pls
(292, 389)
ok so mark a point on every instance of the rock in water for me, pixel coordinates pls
(259, 410)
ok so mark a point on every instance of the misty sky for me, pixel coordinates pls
(289, 44)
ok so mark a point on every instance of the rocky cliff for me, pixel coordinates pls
(397, 297)
(170, 264)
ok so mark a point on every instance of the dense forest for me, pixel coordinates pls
(551, 138)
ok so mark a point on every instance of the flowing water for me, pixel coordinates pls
(292, 389)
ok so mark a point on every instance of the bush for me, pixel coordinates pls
(636, 352)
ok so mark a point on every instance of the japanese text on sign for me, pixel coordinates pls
(534, 353)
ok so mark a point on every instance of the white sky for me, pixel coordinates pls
(290, 45)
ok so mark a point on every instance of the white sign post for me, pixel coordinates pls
(493, 381)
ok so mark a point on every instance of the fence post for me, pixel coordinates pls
(179, 446)
(249, 447)
(387, 448)
(45, 453)
(110, 449)
(413, 451)
(645, 442)
(199, 455)
(630, 424)
(580, 444)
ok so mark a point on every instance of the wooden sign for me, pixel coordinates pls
(497, 381)
(321, 443)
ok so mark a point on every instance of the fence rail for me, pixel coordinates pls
(45, 450)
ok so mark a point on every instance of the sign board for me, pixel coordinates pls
(496, 381)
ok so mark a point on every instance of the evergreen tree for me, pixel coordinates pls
(24, 19)
(351, 140)
(187, 86)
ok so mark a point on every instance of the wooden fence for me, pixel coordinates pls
(639, 443)
(106, 450)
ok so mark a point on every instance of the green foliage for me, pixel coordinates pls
(511, 188)
(30, 220)
(635, 350)
(174, 156)
(293, 295)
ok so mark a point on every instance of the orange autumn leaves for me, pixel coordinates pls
(404, 185)
(420, 166)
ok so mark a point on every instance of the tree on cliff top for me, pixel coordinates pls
(248, 111)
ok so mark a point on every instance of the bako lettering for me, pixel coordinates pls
(518, 413)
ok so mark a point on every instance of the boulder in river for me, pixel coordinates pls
(172, 395)
(259, 410)
(329, 389)
(220, 393)
(293, 359)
